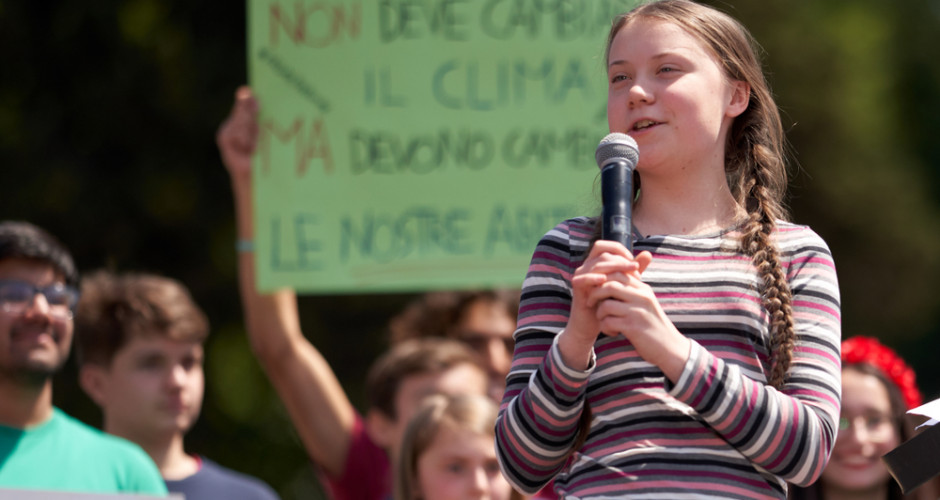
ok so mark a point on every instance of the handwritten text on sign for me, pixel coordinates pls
(408, 145)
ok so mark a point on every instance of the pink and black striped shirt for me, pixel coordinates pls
(720, 431)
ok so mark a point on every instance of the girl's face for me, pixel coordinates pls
(866, 432)
(460, 464)
(668, 93)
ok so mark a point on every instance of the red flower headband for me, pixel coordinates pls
(869, 351)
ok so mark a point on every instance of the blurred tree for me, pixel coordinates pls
(859, 92)
(108, 112)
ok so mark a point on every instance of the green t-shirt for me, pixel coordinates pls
(64, 454)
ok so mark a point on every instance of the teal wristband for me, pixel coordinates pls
(242, 246)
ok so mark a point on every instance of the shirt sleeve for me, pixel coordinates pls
(789, 432)
(544, 399)
(141, 474)
(367, 472)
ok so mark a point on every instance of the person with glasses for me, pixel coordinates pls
(878, 388)
(482, 319)
(41, 447)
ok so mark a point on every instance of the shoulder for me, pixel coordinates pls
(562, 248)
(796, 238)
(105, 456)
(577, 228)
(571, 236)
(216, 481)
(94, 439)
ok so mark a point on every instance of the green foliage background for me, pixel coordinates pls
(108, 112)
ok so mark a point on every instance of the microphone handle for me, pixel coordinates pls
(617, 200)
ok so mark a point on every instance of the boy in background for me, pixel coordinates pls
(140, 340)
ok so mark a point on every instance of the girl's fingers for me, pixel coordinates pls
(611, 247)
(588, 279)
(643, 260)
(611, 256)
(617, 290)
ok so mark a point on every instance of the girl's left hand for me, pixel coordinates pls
(627, 306)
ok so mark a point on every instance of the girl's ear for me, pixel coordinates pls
(740, 98)
(93, 380)
(380, 428)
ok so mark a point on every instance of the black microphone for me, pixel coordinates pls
(617, 156)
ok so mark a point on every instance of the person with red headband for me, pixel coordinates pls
(878, 388)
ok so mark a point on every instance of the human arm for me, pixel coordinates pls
(305, 382)
(788, 432)
(538, 420)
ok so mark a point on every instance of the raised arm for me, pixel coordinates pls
(315, 400)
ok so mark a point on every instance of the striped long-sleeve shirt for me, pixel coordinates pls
(720, 431)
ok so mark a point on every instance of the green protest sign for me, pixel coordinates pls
(421, 144)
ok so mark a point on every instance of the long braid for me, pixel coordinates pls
(754, 166)
(775, 293)
(757, 175)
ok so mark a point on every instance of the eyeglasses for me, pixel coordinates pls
(17, 296)
(478, 340)
(877, 426)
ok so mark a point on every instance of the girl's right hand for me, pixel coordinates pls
(608, 260)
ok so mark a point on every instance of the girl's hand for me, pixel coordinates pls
(607, 261)
(627, 306)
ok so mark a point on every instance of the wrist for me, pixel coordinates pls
(241, 184)
(677, 356)
(575, 353)
(244, 245)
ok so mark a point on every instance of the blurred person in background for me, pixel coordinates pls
(41, 447)
(483, 319)
(353, 452)
(878, 388)
(140, 351)
(447, 452)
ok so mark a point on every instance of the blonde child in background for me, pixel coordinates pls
(447, 452)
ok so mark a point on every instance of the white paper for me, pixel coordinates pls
(930, 410)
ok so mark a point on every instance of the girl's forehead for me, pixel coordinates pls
(458, 434)
(861, 389)
(650, 36)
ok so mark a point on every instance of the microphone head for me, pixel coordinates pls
(617, 147)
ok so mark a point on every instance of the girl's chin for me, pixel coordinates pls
(856, 476)
(857, 467)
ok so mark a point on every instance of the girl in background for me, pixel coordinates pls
(447, 452)
(706, 366)
(878, 388)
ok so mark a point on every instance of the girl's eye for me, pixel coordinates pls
(190, 362)
(618, 78)
(455, 467)
(492, 467)
(150, 363)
